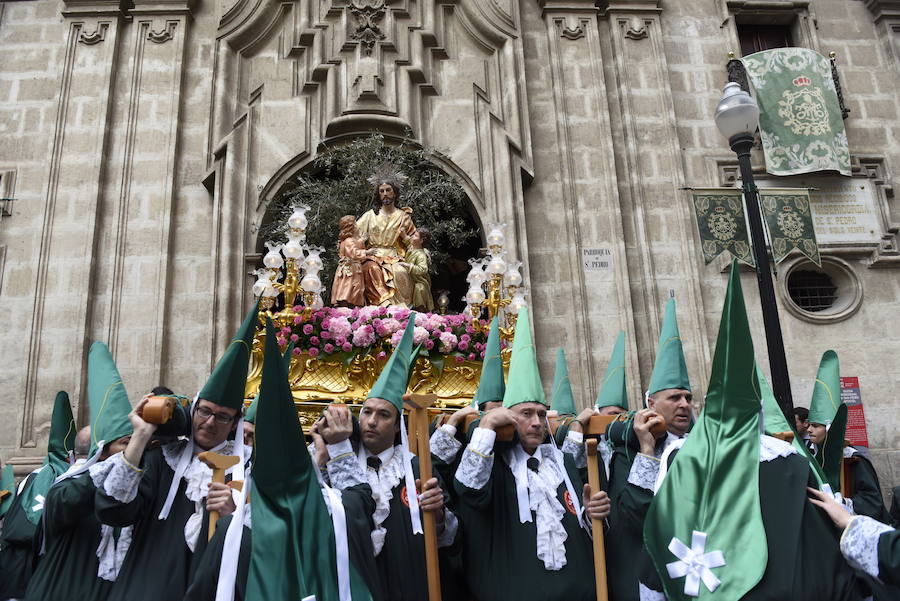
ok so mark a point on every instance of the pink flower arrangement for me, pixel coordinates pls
(377, 330)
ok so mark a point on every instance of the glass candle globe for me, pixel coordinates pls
(496, 237)
(476, 274)
(292, 250)
(513, 277)
(311, 283)
(517, 302)
(297, 220)
(273, 258)
(497, 265)
(475, 295)
(313, 261)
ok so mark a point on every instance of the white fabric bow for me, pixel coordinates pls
(694, 564)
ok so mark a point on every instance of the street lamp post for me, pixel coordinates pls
(737, 117)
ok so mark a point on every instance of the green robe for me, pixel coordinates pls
(889, 559)
(157, 566)
(16, 551)
(500, 554)
(866, 489)
(68, 569)
(401, 562)
(358, 507)
(804, 559)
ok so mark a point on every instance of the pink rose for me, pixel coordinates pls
(294, 338)
(308, 329)
(471, 356)
(347, 347)
(339, 341)
(325, 335)
(328, 348)
(382, 355)
(313, 352)
(460, 358)
(314, 340)
(281, 341)
(429, 344)
(298, 320)
(463, 345)
(297, 351)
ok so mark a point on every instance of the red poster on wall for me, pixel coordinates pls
(856, 417)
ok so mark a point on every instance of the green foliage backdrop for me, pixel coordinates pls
(337, 185)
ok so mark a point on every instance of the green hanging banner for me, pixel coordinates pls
(720, 220)
(790, 222)
(800, 119)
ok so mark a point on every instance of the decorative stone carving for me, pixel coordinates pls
(368, 14)
(637, 29)
(572, 32)
(96, 37)
(163, 35)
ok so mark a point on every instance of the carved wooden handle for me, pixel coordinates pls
(158, 410)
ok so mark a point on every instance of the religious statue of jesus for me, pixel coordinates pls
(387, 230)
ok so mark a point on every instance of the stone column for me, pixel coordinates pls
(659, 229)
(577, 207)
(66, 261)
(886, 14)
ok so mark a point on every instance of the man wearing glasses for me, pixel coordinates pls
(166, 493)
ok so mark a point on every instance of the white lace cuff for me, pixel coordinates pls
(339, 448)
(451, 526)
(444, 444)
(344, 471)
(474, 466)
(859, 543)
(648, 594)
(449, 429)
(644, 471)
(573, 445)
(771, 448)
(117, 478)
(483, 441)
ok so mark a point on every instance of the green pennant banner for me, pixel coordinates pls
(790, 222)
(800, 120)
(720, 220)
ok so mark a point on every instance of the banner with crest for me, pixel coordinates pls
(721, 222)
(800, 120)
(789, 219)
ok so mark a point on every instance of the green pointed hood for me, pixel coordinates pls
(61, 442)
(62, 434)
(293, 551)
(833, 448)
(563, 401)
(776, 422)
(250, 412)
(826, 397)
(669, 370)
(7, 483)
(713, 485)
(612, 391)
(228, 380)
(524, 381)
(394, 378)
(491, 386)
(107, 398)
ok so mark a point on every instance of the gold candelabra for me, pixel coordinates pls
(495, 286)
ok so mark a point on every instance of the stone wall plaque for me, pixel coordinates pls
(845, 210)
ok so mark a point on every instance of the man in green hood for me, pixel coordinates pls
(521, 501)
(81, 557)
(166, 493)
(390, 469)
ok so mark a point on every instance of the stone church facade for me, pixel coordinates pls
(142, 140)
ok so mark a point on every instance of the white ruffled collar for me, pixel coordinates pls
(542, 500)
(382, 483)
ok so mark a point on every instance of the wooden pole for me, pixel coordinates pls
(418, 406)
(218, 463)
(597, 525)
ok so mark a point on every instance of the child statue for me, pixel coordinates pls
(349, 289)
(418, 264)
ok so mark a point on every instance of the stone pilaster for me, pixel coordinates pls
(576, 208)
(658, 227)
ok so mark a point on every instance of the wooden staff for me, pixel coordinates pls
(597, 426)
(418, 416)
(3, 494)
(218, 463)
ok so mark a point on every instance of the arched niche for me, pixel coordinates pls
(450, 276)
